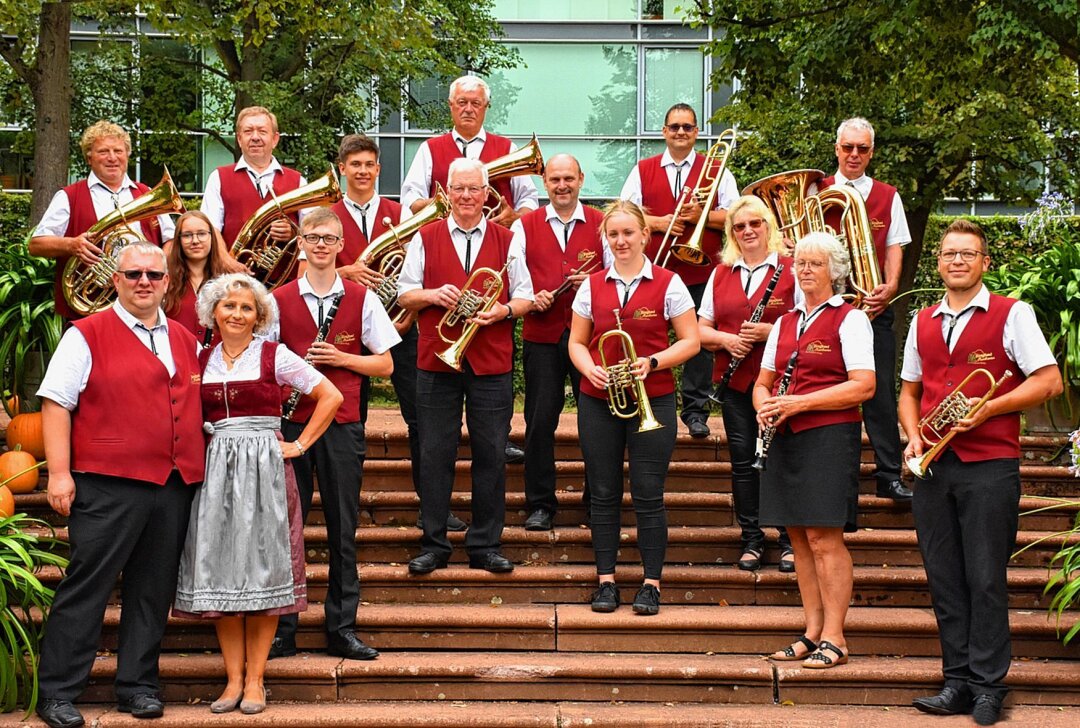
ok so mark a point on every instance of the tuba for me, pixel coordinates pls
(785, 194)
(89, 288)
(480, 292)
(527, 160)
(704, 194)
(626, 393)
(932, 428)
(855, 233)
(271, 261)
(386, 253)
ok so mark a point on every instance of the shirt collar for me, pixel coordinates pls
(92, 179)
(646, 272)
(481, 136)
(666, 159)
(770, 259)
(275, 166)
(131, 322)
(579, 213)
(842, 180)
(981, 300)
(453, 225)
(836, 300)
(372, 204)
(305, 288)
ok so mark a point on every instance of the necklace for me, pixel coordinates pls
(233, 357)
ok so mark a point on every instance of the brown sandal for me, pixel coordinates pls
(788, 653)
(820, 661)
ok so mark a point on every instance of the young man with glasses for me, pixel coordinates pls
(854, 150)
(657, 183)
(338, 456)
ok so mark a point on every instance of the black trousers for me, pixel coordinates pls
(404, 381)
(546, 367)
(879, 412)
(697, 375)
(966, 518)
(117, 526)
(605, 439)
(740, 423)
(489, 403)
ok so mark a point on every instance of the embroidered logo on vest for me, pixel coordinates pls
(979, 356)
(344, 338)
(196, 378)
(645, 313)
(876, 224)
(817, 346)
(584, 256)
(775, 303)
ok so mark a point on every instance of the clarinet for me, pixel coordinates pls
(765, 439)
(755, 317)
(208, 336)
(324, 331)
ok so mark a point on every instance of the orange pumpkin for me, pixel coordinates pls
(25, 430)
(12, 405)
(18, 470)
(7, 502)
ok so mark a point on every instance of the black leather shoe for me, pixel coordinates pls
(538, 520)
(349, 646)
(453, 523)
(59, 714)
(426, 563)
(987, 710)
(647, 600)
(282, 647)
(492, 561)
(143, 705)
(514, 454)
(950, 701)
(787, 565)
(606, 598)
(895, 490)
(698, 428)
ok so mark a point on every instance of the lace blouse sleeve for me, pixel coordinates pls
(292, 370)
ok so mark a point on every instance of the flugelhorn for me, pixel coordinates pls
(953, 408)
(89, 288)
(386, 253)
(274, 262)
(627, 397)
(855, 233)
(526, 160)
(479, 294)
(785, 194)
(704, 194)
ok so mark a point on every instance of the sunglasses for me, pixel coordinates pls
(151, 275)
(752, 224)
(681, 127)
(849, 148)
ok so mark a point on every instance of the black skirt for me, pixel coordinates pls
(812, 478)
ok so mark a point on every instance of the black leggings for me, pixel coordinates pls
(604, 439)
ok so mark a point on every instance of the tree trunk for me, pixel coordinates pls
(52, 92)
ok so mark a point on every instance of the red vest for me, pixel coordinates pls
(240, 199)
(298, 331)
(185, 315)
(979, 347)
(731, 308)
(82, 218)
(133, 420)
(492, 349)
(642, 318)
(820, 363)
(355, 242)
(878, 209)
(549, 266)
(253, 398)
(445, 150)
(656, 196)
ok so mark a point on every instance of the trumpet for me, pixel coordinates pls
(953, 408)
(704, 194)
(855, 233)
(479, 294)
(626, 393)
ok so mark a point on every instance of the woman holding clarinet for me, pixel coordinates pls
(811, 440)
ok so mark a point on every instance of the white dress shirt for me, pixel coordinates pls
(726, 194)
(898, 233)
(677, 298)
(57, 215)
(757, 277)
(856, 337)
(557, 228)
(213, 206)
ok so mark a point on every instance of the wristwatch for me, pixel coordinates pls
(653, 364)
(509, 313)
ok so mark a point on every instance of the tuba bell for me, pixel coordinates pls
(526, 160)
(855, 233)
(626, 393)
(271, 261)
(89, 288)
(785, 194)
(479, 294)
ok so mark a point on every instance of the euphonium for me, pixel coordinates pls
(386, 253)
(272, 261)
(89, 288)
(703, 194)
(480, 292)
(526, 160)
(953, 408)
(627, 397)
(785, 194)
(855, 233)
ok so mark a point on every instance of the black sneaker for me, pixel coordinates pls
(647, 600)
(606, 598)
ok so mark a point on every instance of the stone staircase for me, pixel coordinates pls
(462, 647)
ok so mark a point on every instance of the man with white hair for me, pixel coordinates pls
(440, 259)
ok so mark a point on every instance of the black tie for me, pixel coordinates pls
(259, 186)
(153, 346)
(566, 233)
(468, 247)
(115, 200)
(464, 146)
(363, 218)
(678, 180)
(626, 293)
(320, 310)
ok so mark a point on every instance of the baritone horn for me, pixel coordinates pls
(946, 414)
(479, 294)
(855, 233)
(626, 393)
(89, 288)
(704, 194)
(386, 253)
(526, 160)
(785, 194)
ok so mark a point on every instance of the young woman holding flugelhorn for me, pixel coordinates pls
(619, 343)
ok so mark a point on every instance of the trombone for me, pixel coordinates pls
(473, 300)
(626, 393)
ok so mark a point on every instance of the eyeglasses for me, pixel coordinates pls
(681, 127)
(462, 189)
(196, 235)
(966, 255)
(809, 264)
(849, 148)
(328, 240)
(134, 275)
(752, 224)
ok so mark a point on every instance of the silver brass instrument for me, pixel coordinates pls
(386, 253)
(626, 393)
(480, 292)
(526, 160)
(953, 408)
(89, 288)
(855, 233)
(703, 194)
(271, 261)
(785, 194)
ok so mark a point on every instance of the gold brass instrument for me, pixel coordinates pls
(704, 194)
(272, 261)
(626, 393)
(785, 194)
(386, 253)
(526, 160)
(855, 233)
(479, 294)
(946, 414)
(89, 288)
